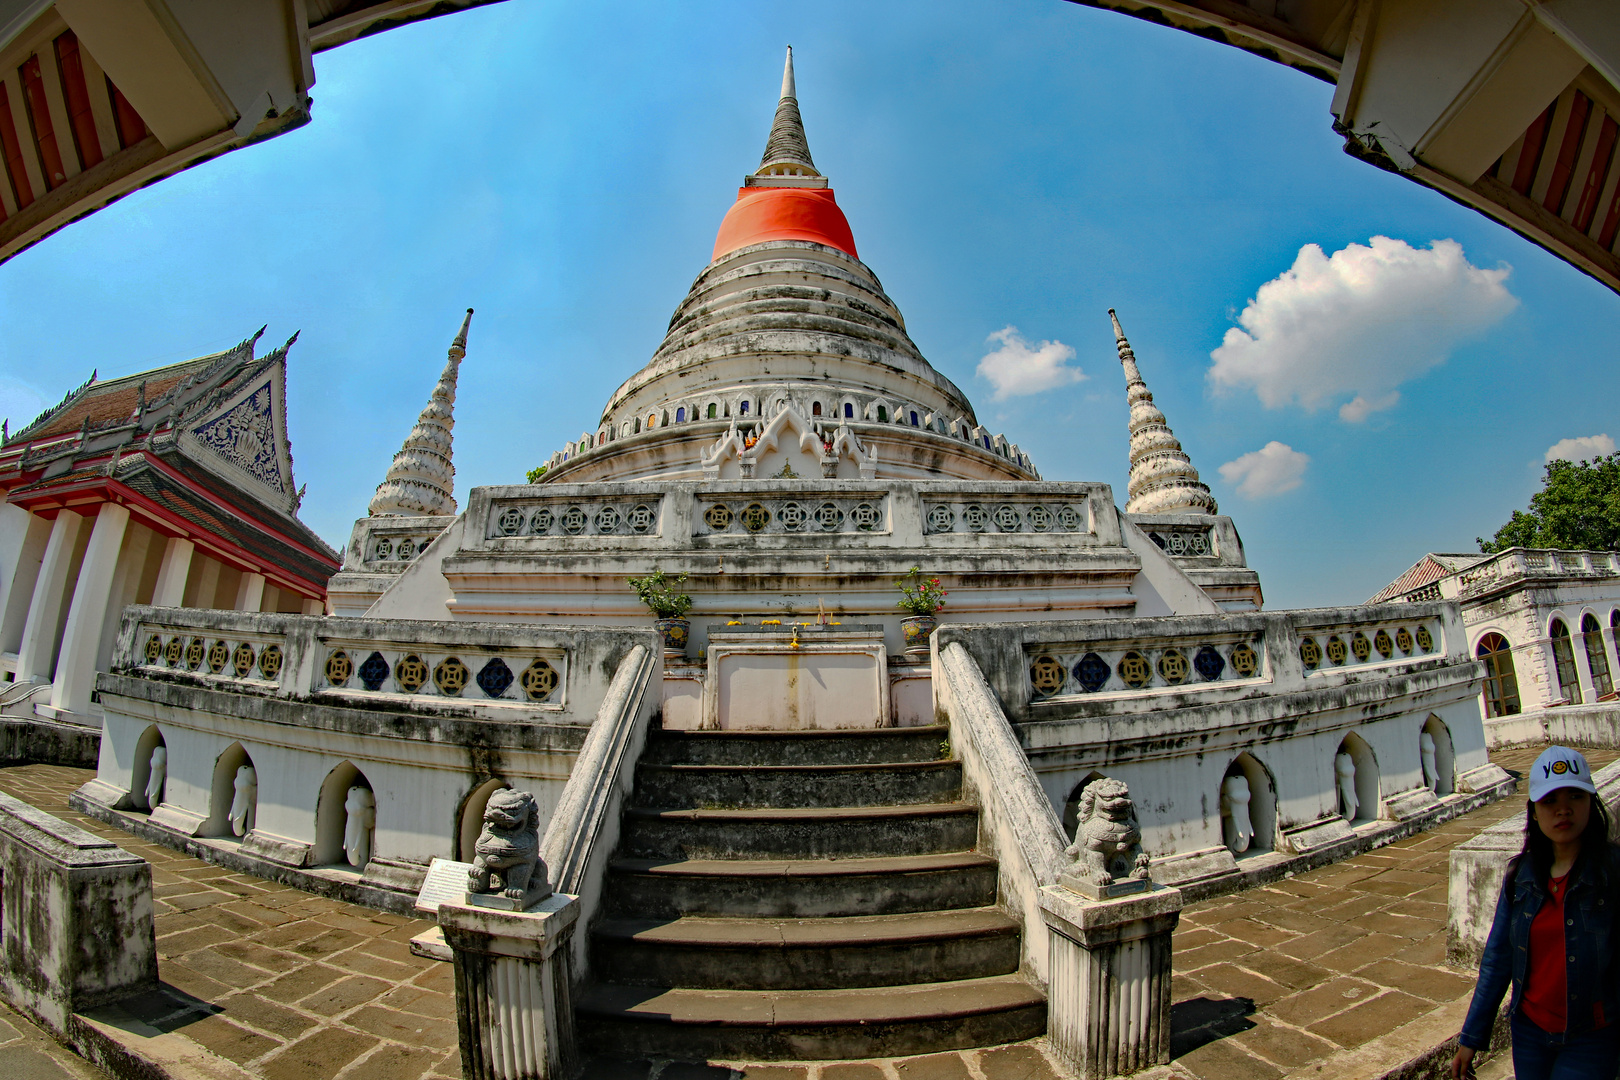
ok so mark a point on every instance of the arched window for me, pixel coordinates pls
(914, 418)
(652, 421)
(849, 411)
(638, 425)
(883, 415)
(742, 409)
(1597, 659)
(1501, 683)
(815, 409)
(711, 410)
(1569, 681)
(680, 415)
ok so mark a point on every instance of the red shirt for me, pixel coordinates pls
(1545, 1002)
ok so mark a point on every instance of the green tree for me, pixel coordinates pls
(1577, 508)
(534, 475)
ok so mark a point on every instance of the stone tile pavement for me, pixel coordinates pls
(27, 1053)
(1320, 970)
(1313, 974)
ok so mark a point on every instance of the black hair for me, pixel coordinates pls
(1595, 844)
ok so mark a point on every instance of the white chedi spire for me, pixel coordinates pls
(421, 481)
(1162, 478)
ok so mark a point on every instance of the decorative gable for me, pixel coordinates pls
(244, 438)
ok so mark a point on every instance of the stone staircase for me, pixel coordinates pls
(802, 895)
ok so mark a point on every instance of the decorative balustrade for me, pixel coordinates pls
(973, 512)
(1184, 542)
(1365, 644)
(810, 512)
(296, 655)
(1138, 664)
(552, 517)
(570, 517)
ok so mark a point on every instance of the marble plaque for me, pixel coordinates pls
(446, 880)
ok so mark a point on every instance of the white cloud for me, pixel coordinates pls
(1016, 366)
(1358, 324)
(1584, 448)
(1271, 470)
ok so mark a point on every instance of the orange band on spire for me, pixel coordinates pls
(762, 214)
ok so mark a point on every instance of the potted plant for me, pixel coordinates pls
(921, 597)
(669, 608)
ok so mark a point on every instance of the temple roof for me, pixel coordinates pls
(787, 151)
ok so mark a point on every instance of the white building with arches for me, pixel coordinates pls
(1543, 622)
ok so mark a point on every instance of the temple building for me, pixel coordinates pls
(1543, 622)
(803, 814)
(171, 487)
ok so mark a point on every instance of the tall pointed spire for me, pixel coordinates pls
(1162, 478)
(421, 481)
(787, 151)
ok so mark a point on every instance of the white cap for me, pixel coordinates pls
(1559, 767)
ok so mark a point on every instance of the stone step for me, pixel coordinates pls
(808, 1025)
(806, 954)
(853, 746)
(799, 833)
(890, 783)
(810, 888)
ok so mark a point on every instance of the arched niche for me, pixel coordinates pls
(222, 793)
(1445, 759)
(1262, 806)
(1363, 781)
(470, 818)
(1071, 806)
(141, 774)
(332, 814)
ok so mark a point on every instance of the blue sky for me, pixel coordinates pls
(1025, 165)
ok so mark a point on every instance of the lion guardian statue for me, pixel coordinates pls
(506, 858)
(1108, 841)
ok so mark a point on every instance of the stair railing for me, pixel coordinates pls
(1017, 824)
(584, 829)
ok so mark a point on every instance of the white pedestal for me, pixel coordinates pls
(1109, 1000)
(513, 1007)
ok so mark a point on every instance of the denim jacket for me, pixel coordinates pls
(1589, 937)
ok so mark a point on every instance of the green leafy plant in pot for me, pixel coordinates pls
(658, 591)
(922, 597)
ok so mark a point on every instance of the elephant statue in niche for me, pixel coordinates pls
(1235, 798)
(361, 808)
(1431, 772)
(1344, 768)
(245, 802)
(155, 778)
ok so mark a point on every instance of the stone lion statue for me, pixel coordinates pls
(1108, 841)
(506, 858)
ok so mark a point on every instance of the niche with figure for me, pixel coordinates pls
(470, 820)
(1437, 756)
(234, 795)
(1355, 780)
(151, 770)
(345, 819)
(1071, 808)
(1248, 807)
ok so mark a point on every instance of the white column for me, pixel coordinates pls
(314, 607)
(92, 596)
(20, 589)
(171, 583)
(126, 587)
(36, 652)
(207, 582)
(250, 593)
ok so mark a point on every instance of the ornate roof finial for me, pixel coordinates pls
(787, 151)
(421, 481)
(1162, 478)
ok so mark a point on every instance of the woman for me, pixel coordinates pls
(1553, 935)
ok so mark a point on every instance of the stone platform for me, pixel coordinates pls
(1338, 972)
